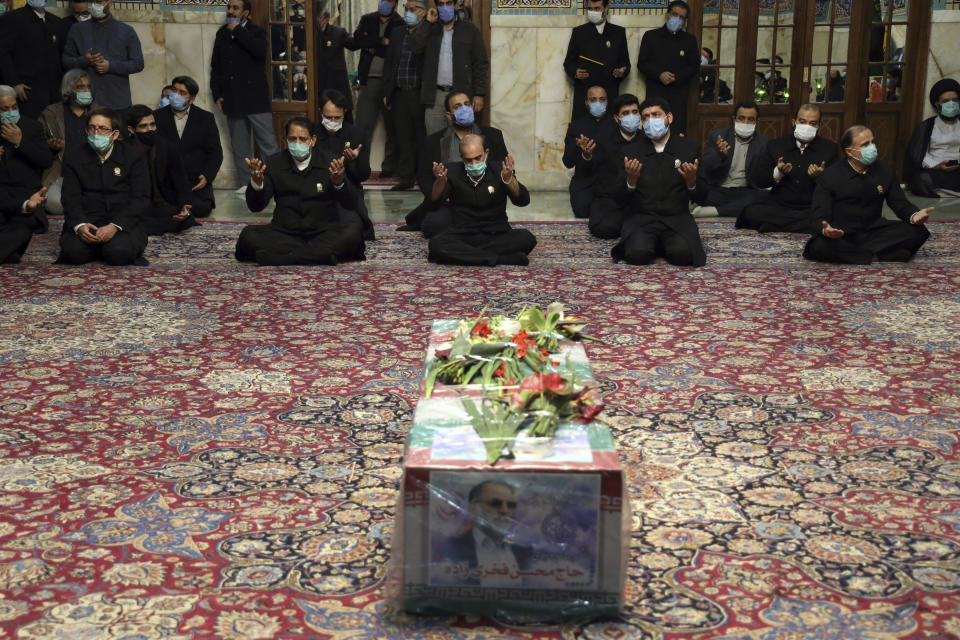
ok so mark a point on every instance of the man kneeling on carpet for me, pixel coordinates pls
(847, 208)
(314, 221)
(479, 233)
(106, 188)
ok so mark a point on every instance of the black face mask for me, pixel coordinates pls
(147, 137)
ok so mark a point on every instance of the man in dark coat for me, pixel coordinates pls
(15, 213)
(170, 208)
(661, 182)
(596, 124)
(331, 60)
(479, 234)
(403, 70)
(372, 37)
(848, 220)
(465, 67)
(238, 81)
(311, 222)
(349, 141)
(932, 161)
(791, 165)
(596, 55)
(604, 159)
(669, 59)
(106, 189)
(193, 132)
(731, 153)
(31, 43)
(26, 155)
(444, 147)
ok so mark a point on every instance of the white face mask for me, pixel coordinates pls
(332, 125)
(82, 17)
(804, 132)
(744, 130)
(596, 17)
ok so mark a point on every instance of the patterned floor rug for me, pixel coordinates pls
(200, 449)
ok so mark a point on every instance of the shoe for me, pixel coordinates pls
(518, 259)
(408, 227)
(141, 262)
(387, 174)
(705, 212)
(402, 186)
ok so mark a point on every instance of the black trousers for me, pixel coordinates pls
(731, 201)
(14, 237)
(124, 247)
(203, 202)
(409, 130)
(581, 197)
(157, 221)
(645, 240)
(436, 221)
(945, 179)
(768, 216)
(269, 245)
(895, 241)
(606, 217)
(482, 249)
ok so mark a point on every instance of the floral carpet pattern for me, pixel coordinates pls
(202, 449)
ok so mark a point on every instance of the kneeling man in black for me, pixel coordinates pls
(660, 183)
(15, 217)
(479, 233)
(106, 188)
(848, 204)
(314, 221)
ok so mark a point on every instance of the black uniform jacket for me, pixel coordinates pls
(795, 190)
(480, 208)
(237, 70)
(677, 53)
(593, 128)
(21, 169)
(30, 50)
(853, 202)
(349, 137)
(608, 48)
(332, 62)
(116, 191)
(171, 177)
(492, 140)
(199, 147)
(307, 203)
(715, 166)
(606, 163)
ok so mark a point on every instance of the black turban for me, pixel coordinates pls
(941, 87)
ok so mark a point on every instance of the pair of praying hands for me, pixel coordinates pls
(687, 171)
(813, 170)
(97, 61)
(586, 146)
(257, 168)
(833, 233)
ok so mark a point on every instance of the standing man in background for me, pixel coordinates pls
(31, 42)
(331, 60)
(238, 81)
(596, 56)
(669, 59)
(403, 70)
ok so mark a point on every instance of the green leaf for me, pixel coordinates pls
(461, 346)
(431, 380)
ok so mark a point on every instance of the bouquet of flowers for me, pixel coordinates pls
(521, 384)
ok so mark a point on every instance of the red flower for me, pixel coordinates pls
(540, 382)
(442, 353)
(589, 411)
(481, 329)
(500, 372)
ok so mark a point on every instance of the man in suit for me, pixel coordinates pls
(331, 60)
(31, 43)
(444, 147)
(729, 155)
(372, 37)
(669, 59)
(169, 210)
(194, 134)
(238, 81)
(484, 555)
(709, 87)
(26, 155)
(15, 213)
(349, 141)
(454, 56)
(312, 221)
(597, 124)
(596, 55)
(848, 222)
(106, 189)
(661, 182)
(403, 70)
(790, 166)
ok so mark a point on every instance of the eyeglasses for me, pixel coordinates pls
(104, 131)
(497, 503)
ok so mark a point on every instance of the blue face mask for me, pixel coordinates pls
(950, 109)
(36, 5)
(597, 109)
(385, 8)
(411, 18)
(655, 128)
(674, 24)
(163, 103)
(83, 98)
(630, 122)
(868, 155)
(447, 13)
(464, 116)
(3, 9)
(99, 142)
(476, 170)
(298, 150)
(177, 101)
(10, 117)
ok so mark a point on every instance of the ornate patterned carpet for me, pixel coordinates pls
(201, 449)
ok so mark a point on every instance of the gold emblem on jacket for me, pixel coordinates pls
(681, 51)
(319, 187)
(880, 189)
(116, 171)
(608, 44)
(490, 189)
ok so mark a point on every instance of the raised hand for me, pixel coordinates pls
(37, 200)
(256, 168)
(582, 74)
(688, 171)
(784, 167)
(351, 154)
(921, 216)
(506, 172)
(831, 232)
(432, 15)
(337, 170)
(586, 145)
(815, 170)
(21, 90)
(632, 166)
(722, 146)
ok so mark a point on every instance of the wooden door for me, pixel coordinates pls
(291, 58)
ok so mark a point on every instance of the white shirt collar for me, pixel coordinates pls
(302, 164)
(601, 26)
